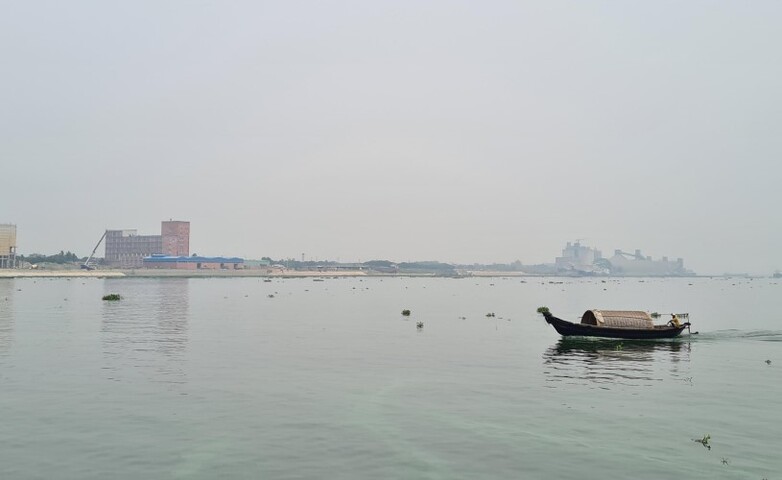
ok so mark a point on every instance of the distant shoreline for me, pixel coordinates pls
(262, 273)
(165, 273)
(155, 273)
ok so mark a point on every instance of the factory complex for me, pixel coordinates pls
(169, 250)
(582, 260)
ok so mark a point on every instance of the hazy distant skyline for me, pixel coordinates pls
(453, 131)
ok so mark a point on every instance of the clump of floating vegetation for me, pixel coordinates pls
(703, 441)
(419, 325)
(406, 312)
(112, 297)
(543, 310)
(490, 314)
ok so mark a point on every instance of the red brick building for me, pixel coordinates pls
(176, 238)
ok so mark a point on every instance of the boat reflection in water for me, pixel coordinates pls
(609, 361)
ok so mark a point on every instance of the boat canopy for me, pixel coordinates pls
(618, 319)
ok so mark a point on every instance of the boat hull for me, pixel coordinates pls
(570, 329)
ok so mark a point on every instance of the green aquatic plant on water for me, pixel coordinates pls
(406, 312)
(112, 297)
(703, 441)
(543, 310)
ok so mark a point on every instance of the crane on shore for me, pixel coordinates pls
(87, 265)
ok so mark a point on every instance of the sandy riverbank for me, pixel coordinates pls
(60, 273)
(496, 273)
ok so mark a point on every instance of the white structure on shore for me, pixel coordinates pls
(576, 257)
(637, 264)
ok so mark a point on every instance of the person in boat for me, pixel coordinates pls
(675, 321)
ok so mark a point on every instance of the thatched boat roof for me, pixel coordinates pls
(618, 318)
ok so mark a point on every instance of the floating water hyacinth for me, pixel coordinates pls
(406, 312)
(703, 441)
(112, 297)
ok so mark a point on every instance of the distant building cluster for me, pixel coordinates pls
(169, 250)
(7, 245)
(580, 259)
(126, 248)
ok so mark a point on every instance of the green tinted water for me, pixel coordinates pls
(208, 378)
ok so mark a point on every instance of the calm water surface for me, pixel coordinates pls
(297, 379)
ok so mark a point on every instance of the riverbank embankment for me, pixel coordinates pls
(14, 273)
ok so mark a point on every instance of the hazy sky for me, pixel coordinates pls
(422, 130)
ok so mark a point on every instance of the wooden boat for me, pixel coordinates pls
(616, 324)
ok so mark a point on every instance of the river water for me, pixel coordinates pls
(300, 379)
